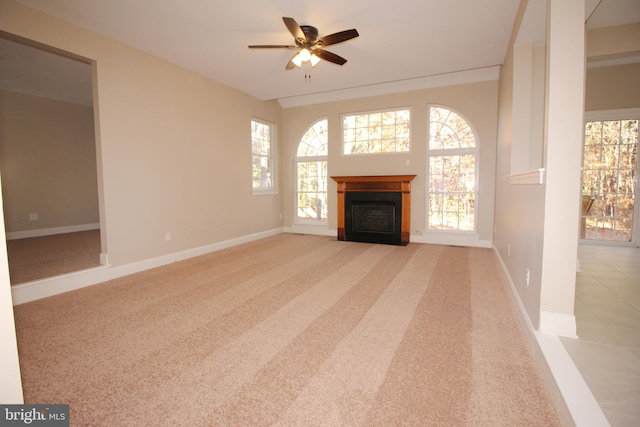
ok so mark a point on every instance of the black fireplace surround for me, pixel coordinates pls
(374, 217)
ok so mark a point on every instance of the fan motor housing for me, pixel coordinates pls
(311, 33)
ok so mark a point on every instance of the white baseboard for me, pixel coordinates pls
(452, 239)
(317, 230)
(13, 235)
(38, 289)
(583, 407)
(560, 324)
(435, 239)
(570, 394)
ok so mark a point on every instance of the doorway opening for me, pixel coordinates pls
(48, 161)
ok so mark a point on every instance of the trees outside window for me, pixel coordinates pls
(452, 153)
(311, 174)
(262, 156)
(609, 180)
(376, 132)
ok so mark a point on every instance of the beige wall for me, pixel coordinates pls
(612, 88)
(519, 216)
(48, 163)
(613, 42)
(173, 146)
(477, 102)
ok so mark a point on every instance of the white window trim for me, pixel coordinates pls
(296, 160)
(296, 219)
(607, 115)
(383, 110)
(274, 175)
(264, 191)
(454, 151)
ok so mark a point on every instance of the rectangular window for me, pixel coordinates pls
(262, 156)
(609, 180)
(311, 191)
(376, 132)
(452, 192)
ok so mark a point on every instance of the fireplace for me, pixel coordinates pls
(374, 209)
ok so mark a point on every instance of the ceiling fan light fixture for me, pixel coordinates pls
(297, 60)
(305, 55)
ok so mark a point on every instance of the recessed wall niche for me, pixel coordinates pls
(529, 80)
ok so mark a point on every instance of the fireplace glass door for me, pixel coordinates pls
(373, 217)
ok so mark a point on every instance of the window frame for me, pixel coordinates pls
(307, 159)
(368, 113)
(613, 115)
(272, 158)
(442, 152)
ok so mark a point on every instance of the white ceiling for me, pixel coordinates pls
(401, 42)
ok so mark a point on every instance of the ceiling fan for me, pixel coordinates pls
(309, 47)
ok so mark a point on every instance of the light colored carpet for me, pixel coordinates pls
(290, 330)
(37, 258)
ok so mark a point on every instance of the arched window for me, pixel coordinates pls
(311, 175)
(452, 159)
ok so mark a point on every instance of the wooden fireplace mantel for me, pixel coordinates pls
(377, 183)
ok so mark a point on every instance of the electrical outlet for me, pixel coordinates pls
(33, 217)
(527, 275)
(167, 237)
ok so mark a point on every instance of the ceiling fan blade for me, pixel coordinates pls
(328, 56)
(340, 37)
(272, 46)
(295, 30)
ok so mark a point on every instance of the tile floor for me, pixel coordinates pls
(607, 352)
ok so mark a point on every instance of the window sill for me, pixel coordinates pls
(264, 192)
(310, 222)
(533, 177)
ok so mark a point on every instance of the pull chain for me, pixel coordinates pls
(307, 74)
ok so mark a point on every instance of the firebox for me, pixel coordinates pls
(373, 217)
(375, 209)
